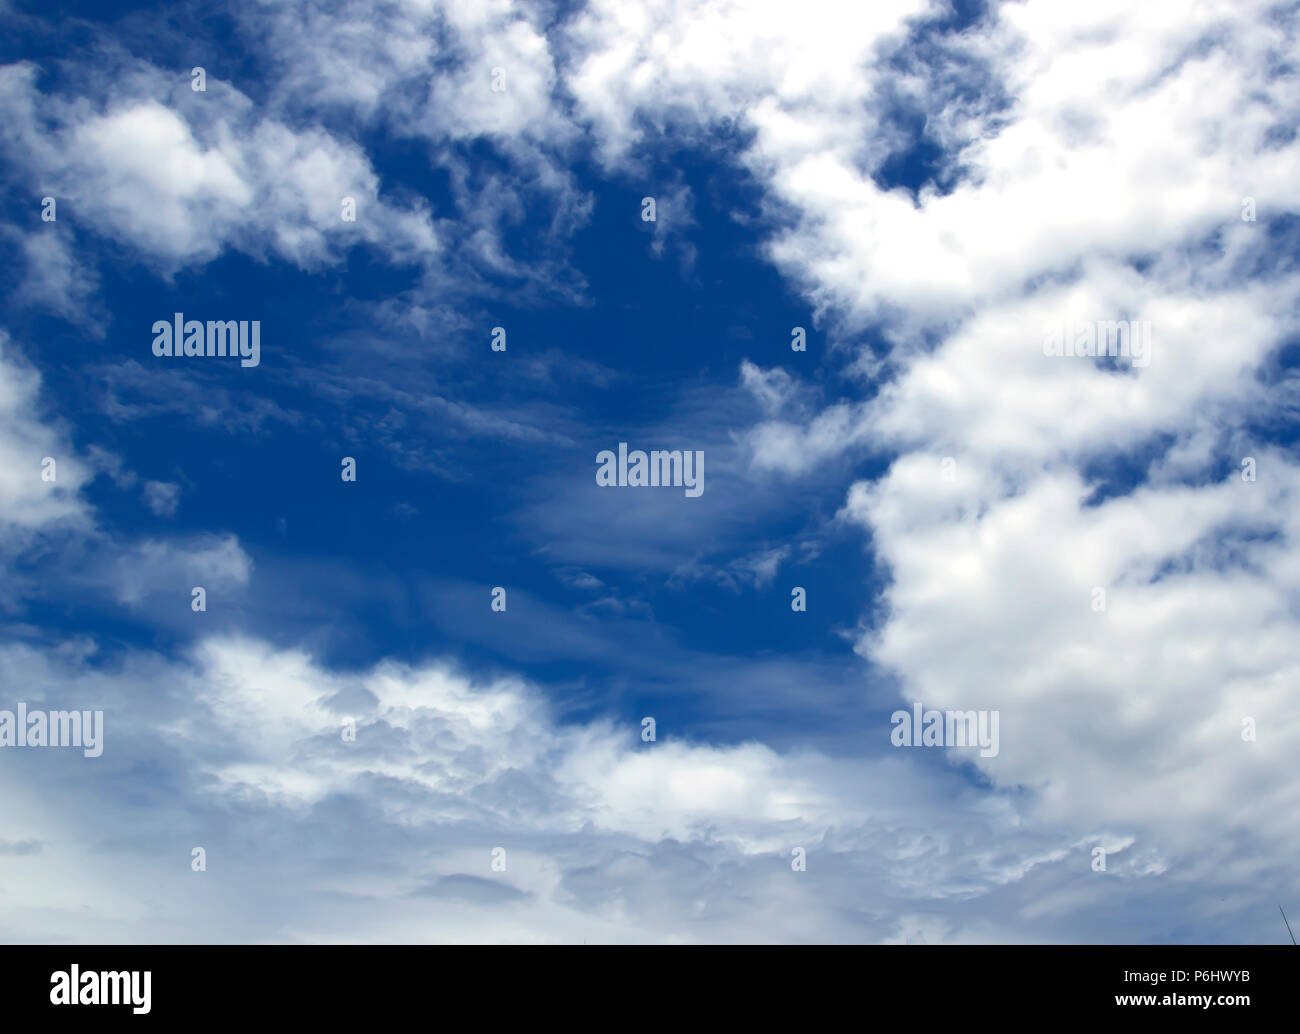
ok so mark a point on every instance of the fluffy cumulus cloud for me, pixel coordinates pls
(798, 75)
(1022, 483)
(463, 80)
(1097, 164)
(605, 837)
(182, 175)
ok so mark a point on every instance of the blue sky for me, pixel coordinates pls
(926, 189)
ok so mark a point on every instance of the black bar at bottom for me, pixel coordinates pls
(70, 985)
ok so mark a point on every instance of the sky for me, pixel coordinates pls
(353, 736)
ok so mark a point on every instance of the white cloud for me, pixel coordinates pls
(56, 280)
(767, 64)
(182, 176)
(606, 837)
(162, 497)
(29, 500)
(1095, 163)
(152, 567)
